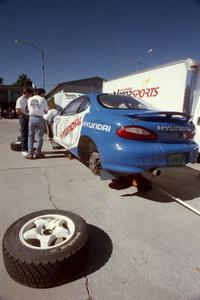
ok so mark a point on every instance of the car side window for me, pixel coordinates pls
(76, 106)
(84, 105)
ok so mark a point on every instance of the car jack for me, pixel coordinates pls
(140, 182)
(137, 180)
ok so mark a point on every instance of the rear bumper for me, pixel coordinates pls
(136, 157)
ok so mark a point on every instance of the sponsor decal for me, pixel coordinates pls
(71, 127)
(173, 128)
(140, 93)
(97, 126)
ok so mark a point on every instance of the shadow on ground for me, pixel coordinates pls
(99, 252)
(183, 183)
(54, 154)
(100, 249)
(57, 154)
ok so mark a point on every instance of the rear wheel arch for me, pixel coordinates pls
(85, 147)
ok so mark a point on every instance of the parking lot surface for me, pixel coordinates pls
(143, 245)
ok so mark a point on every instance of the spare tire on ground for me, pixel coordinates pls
(16, 146)
(42, 247)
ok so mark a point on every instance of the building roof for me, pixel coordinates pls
(10, 87)
(80, 82)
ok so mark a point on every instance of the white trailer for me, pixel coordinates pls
(171, 87)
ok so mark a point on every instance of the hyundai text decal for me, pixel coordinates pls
(97, 126)
(71, 127)
(140, 93)
(173, 128)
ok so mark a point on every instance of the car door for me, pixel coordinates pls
(67, 126)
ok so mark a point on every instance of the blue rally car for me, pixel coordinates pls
(123, 136)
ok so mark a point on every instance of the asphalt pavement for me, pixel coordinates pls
(143, 245)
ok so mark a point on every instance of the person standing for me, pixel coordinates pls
(37, 107)
(22, 111)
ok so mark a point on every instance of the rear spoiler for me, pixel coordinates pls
(167, 114)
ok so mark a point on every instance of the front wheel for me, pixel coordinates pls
(44, 246)
(95, 163)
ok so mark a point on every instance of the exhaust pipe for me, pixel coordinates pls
(155, 172)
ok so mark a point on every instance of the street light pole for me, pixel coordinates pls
(43, 73)
(42, 54)
(138, 61)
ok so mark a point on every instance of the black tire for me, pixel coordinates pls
(19, 139)
(16, 146)
(43, 268)
(95, 163)
(55, 145)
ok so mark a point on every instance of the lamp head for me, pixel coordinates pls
(18, 42)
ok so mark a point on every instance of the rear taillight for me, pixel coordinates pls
(136, 133)
(189, 135)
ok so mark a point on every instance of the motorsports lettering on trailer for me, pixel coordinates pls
(141, 93)
(71, 127)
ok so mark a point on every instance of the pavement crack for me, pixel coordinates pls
(29, 167)
(87, 286)
(49, 190)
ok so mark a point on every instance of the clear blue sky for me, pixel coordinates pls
(94, 38)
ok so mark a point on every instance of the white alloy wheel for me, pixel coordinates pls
(47, 231)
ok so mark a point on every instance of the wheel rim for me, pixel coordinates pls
(95, 163)
(46, 231)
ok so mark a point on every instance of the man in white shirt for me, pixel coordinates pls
(22, 112)
(37, 107)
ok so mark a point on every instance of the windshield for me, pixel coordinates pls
(120, 102)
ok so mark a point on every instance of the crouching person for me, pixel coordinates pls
(49, 118)
(37, 107)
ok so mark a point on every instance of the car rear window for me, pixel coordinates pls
(120, 102)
